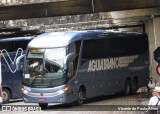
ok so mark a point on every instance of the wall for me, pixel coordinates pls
(153, 31)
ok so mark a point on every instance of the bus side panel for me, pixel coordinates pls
(112, 80)
(11, 80)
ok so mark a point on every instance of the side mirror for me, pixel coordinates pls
(67, 58)
(18, 61)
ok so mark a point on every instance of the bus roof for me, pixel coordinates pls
(15, 39)
(60, 39)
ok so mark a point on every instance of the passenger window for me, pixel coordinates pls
(113, 47)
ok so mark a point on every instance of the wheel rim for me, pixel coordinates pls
(134, 85)
(80, 97)
(4, 96)
(127, 91)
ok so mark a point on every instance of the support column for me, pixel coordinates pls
(153, 31)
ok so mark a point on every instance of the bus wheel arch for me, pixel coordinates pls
(127, 86)
(134, 85)
(81, 95)
(6, 94)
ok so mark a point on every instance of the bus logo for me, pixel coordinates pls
(110, 63)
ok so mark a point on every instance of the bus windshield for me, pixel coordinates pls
(44, 67)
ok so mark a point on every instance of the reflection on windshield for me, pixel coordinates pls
(44, 67)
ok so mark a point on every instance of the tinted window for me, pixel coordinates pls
(112, 47)
(14, 45)
(21, 44)
(7, 45)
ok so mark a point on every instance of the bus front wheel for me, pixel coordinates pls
(43, 105)
(80, 97)
(127, 87)
(6, 95)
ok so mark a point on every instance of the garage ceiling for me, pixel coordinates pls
(72, 7)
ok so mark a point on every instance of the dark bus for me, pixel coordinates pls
(12, 82)
(77, 65)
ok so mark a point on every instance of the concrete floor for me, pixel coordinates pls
(111, 104)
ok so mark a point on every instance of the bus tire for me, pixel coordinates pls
(43, 105)
(6, 95)
(80, 97)
(134, 86)
(127, 87)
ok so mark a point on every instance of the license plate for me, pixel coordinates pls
(42, 99)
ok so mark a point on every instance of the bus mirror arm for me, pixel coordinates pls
(18, 61)
(67, 58)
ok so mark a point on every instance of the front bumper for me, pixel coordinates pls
(58, 96)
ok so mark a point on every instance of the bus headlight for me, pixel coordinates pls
(63, 90)
(66, 89)
(26, 90)
(60, 92)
